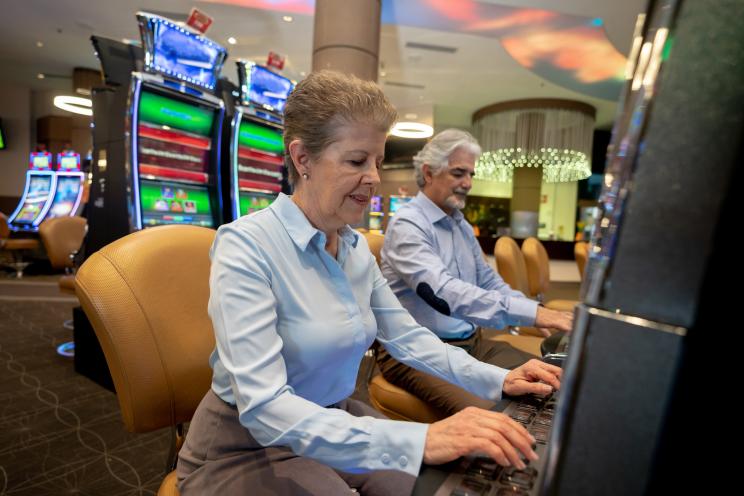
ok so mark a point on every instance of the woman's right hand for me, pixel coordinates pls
(475, 431)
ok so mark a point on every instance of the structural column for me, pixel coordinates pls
(347, 37)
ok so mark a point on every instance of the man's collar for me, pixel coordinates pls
(298, 226)
(432, 211)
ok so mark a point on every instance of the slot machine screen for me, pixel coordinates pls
(175, 203)
(39, 189)
(264, 87)
(398, 201)
(375, 204)
(253, 202)
(66, 197)
(182, 54)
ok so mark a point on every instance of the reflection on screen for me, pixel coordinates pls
(66, 197)
(39, 189)
(267, 88)
(184, 55)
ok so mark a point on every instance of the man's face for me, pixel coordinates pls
(449, 188)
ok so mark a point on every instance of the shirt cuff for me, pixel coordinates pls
(397, 445)
(522, 312)
(487, 380)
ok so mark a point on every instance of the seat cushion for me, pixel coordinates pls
(399, 404)
(168, 486)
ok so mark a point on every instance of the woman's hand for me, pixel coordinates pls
(476, 431)
(534, 377)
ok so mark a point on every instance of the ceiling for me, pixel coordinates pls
(483, 69)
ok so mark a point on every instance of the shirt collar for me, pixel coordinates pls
(298, 226)
(432, 211)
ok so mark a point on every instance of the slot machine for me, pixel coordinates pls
(165, 168)
(37, 194)
(68, 191)
(256, 170)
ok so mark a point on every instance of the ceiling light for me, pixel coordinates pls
(40, 75)
(411, 116)
(303, 73)
(74, 104)
(232, 40)
(287, 18)
(39, 44)
(412, 130)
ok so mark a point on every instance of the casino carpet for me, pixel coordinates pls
(61, 433)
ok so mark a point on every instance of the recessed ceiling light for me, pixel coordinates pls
(39, 44)
(40, 75)
(303, 73)
(412, 130)
(232, 40)
(287, 18)
(74, 104)
(383, 73)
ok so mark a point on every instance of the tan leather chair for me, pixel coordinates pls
(375, 242)
(15, 247)
(538, 275)
(62, 238)
(512, 268)
(146, 296)
(581, 253)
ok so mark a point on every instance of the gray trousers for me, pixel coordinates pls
(445, 397)
(221, 457)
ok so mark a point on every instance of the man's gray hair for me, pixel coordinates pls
(437, 152)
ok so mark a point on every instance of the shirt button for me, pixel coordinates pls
(403, 461)
(385, 458)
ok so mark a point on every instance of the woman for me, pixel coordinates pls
(296, 299)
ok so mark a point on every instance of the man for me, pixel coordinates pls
(435, 266)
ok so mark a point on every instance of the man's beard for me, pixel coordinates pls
(454, 202)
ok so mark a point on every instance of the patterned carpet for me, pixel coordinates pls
(61, 433)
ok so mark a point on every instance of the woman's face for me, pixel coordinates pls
(344, 177)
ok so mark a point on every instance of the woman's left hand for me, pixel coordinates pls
(534, 377)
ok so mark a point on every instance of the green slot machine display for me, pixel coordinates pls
(257, 171)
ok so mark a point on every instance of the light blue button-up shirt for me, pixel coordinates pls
(292, 324)
(435, 267)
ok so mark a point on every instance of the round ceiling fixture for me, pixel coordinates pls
(412, 130)
(74, 104)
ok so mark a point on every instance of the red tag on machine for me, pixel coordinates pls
(275, 60)
(199, 20)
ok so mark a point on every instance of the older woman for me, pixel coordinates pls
(296, 299)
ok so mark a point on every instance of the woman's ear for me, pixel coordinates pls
(300, 156)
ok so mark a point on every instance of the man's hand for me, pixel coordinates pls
(534, 377)
(553, 319)
(475, 431)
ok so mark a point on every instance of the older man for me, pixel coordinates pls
(435, 266)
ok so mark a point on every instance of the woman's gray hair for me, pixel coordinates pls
(437, 152)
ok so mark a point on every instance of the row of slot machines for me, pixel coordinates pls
(173, 143)
(48, 192)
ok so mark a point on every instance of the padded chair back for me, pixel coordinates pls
(581, 253)
(375, 242)
(61, 237)
(146, 296)
(510, 264)
(538, 266)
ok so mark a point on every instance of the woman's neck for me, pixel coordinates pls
(316, 219)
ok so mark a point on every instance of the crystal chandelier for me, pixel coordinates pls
(549, 133)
